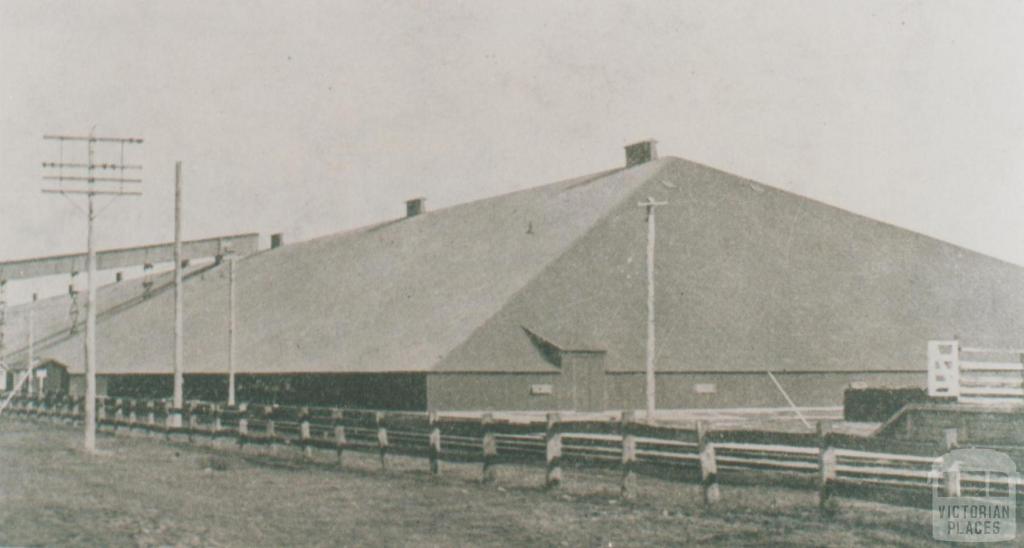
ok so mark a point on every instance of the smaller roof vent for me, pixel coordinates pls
(642, 152)
(414, 207)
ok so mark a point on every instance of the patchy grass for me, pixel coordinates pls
(143, 491)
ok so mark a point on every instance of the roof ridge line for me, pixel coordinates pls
(590, 177)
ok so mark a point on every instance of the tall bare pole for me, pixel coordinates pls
(90, 317)
(650, 204)
(93, 186)
(231, 331)
(3, 321)
(31, 342)
(179, 298)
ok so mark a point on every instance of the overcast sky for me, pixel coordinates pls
(312, 117)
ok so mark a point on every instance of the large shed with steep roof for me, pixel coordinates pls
(536, 300)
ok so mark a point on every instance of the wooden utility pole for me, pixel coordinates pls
(231, 331)
(3, 321)
(90, 323)
(179, 301)
(31, 343)
(94, 186)
(650, 204)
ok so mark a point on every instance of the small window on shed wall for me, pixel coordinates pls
(541, 389)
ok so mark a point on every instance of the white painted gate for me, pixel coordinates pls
(975, 375)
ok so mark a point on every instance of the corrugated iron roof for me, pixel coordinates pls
(397, 296)
(749, 278)
(752, 278)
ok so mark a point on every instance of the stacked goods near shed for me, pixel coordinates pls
(878, 404)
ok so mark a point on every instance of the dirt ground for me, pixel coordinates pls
(145, 491)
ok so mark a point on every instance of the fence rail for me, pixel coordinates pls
(831, 461)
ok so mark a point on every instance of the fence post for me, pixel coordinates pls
(118, 413)
(382, 440)
(708, 465)
(243, 431)
(827, 469)
(951, 437)
(490, 448)
(150, 418)
(133, 418)
(307, 449)
(951, 480)
(271, 433)
(192, 422)
(339, 433)
(628, 455)
(101, 411)
(168, 419)
(218, 425)
(553, 452)
(435, 443)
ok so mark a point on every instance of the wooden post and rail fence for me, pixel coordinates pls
(832, 463)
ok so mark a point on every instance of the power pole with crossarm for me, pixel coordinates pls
(80, 179)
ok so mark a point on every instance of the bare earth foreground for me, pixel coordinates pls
(146, 491)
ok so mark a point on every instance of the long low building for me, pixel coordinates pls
(536, 300)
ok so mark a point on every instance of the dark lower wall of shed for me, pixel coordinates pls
(392, 391)
(755, 389)
(506, 391)
(76, 385)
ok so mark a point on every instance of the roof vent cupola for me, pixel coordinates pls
(414, 207)
(641, 152)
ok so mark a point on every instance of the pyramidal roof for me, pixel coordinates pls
(397, 296)
(748, 278)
